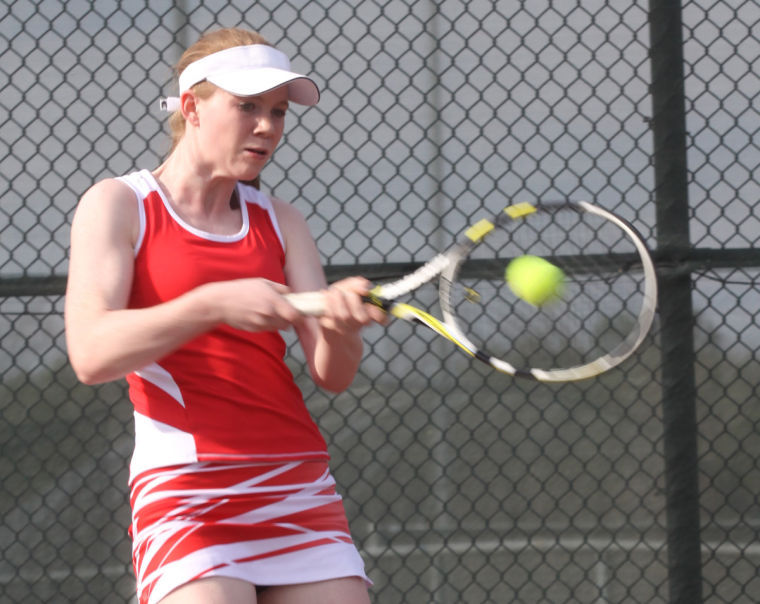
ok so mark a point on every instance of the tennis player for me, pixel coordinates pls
(176, 281)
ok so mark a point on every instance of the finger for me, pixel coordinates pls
(280, 288)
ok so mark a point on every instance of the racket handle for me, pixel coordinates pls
(308, 303)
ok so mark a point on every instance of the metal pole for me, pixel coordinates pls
(678, 380)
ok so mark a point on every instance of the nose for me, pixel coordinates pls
(264, 124)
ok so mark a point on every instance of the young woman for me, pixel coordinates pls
(176, 281)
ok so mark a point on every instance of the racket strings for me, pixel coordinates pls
(595, 314)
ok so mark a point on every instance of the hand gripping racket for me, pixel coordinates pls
(603, 315)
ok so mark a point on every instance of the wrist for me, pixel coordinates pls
(205, 304)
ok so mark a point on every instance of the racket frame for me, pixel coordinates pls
(446, 267)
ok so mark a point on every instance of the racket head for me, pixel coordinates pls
(603, 315)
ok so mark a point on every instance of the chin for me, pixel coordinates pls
(246, 175)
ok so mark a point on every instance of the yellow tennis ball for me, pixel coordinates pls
(534, 279)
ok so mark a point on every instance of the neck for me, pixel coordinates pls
(189, 183)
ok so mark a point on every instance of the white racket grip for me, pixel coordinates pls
(308, 303)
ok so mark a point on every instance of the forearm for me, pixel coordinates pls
(336, 359)
(105, 345)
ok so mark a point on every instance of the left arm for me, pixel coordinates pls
(332, 344)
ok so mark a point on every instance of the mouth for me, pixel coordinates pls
(257, 152)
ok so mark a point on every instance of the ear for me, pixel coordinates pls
(188, 104)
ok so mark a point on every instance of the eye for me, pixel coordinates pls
(279, 112)
(246, 106)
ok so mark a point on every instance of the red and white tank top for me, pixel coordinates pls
(226, 395)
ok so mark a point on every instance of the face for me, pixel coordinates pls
(238, 135)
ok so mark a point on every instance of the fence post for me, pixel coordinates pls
(677, 345)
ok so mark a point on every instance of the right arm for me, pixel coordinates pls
(105, 339)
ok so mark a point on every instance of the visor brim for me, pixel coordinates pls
(250, 82)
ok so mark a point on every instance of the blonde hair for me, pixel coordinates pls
(208, 44)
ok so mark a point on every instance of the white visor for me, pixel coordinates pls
(246, 71)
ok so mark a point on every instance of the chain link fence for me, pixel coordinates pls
(461, 486)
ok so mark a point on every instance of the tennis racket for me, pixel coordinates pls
(603, 315)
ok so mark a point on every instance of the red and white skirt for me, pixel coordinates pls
(268, 524)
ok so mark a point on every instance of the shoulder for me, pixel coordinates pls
(109, 204)
(108, 191)
(303, 267)
(285, 210)
(287, 220)
(291, 221)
